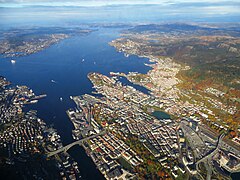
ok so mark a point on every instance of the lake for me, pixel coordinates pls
(161, 115)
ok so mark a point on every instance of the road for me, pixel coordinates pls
(207, 159)
(210, 155)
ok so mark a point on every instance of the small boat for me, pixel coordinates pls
(61, 99)
(94, 63)
(53, 81)
(33, 101)
(13, 61)
(83, 60)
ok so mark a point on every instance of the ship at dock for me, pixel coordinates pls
(40, 96)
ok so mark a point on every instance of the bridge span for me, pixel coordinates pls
(79, 142)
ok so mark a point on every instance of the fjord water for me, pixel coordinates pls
(63, 63)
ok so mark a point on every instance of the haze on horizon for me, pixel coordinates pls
(60, 12)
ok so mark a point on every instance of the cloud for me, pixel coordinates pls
(118, 10)
(106, 2)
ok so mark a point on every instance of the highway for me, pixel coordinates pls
(207, 158)
(210, 155)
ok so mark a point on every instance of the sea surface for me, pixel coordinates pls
(60, 72)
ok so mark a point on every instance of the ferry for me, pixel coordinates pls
(33, 101)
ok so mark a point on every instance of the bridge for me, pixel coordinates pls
(79, 142)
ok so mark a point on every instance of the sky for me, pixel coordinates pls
(13, 12)
(92, 3)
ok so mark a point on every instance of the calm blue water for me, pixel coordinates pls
(125, 81)
(235, 176)
(62, 63)
(161, 115)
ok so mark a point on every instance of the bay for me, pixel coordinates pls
(60, 72)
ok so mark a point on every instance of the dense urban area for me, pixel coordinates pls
(175, 147)
(185, 127)
(25, 139)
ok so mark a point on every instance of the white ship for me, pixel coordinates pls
(13, 61)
